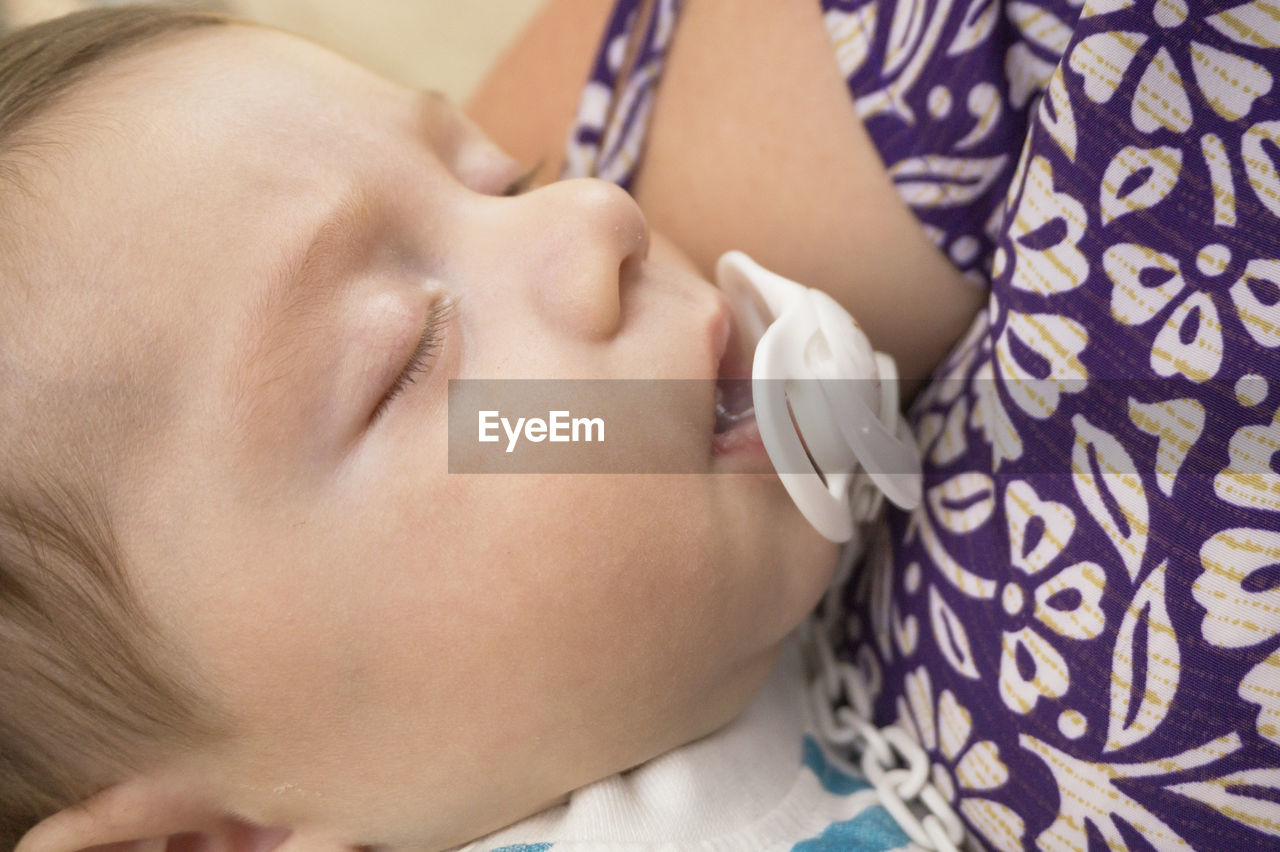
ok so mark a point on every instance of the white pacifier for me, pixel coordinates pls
(826, 403)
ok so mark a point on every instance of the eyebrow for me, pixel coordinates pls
(299, 288)
(281, 318)
(300, 291)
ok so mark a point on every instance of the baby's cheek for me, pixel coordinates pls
(661, 248)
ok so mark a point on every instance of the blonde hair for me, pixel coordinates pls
(84, 700)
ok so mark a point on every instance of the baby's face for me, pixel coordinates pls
(407, 652)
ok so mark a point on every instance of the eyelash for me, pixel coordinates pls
(423, 354)
(439, 316)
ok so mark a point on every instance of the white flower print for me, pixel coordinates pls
(850, 34)
(1240, 612)
(1102, 7)
(1248, 480)
(1142, 690)
(1252, 23)
(951, 637)
(1045, 230)
(1137, 179)
(1068, 603)
(1160, 99)
(1110, 488)
(961, 505)
(1107, 801)
(943, 438)
(1144, 283)
(1259, 687)
(990, 415)
(1102, 60)
(1258, 165)
(964, 770)
(914, 34)
(935, 180)
(1030, 669)
(1248, 796)
(979, 21)
(1257, 299)
(1027, 72)
(1057, 116)
(1178, 423)
(1037, 357)
(1228, 83)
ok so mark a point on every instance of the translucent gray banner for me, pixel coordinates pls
(1062, 427)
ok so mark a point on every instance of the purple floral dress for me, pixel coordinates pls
(1081, 624)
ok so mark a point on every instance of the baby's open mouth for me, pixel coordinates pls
(733, 403)
(735, 413)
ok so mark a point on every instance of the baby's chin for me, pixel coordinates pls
(722, 708)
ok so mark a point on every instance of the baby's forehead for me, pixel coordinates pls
(105, 211)
(157, 194)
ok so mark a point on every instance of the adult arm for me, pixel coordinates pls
(528, 100)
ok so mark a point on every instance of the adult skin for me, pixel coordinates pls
(755, 145)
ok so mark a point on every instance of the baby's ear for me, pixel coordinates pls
(155, 813)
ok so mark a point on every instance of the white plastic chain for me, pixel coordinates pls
(894, 764)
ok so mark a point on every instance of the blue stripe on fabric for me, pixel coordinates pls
(833, 780)
(524, 847)
(873, 830)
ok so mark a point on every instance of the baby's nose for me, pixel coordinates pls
(595, 238)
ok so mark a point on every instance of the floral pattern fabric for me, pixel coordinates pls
(1081, 623)
(1093, 577)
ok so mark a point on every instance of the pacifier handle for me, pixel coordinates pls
(826, 507)
(814, 364)
(872, 435)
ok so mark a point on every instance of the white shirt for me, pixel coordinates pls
(759, 784)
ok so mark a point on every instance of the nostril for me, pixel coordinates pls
(629, 269)
(593, 240)
(645, 241)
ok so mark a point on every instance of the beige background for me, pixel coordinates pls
(444, 44)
